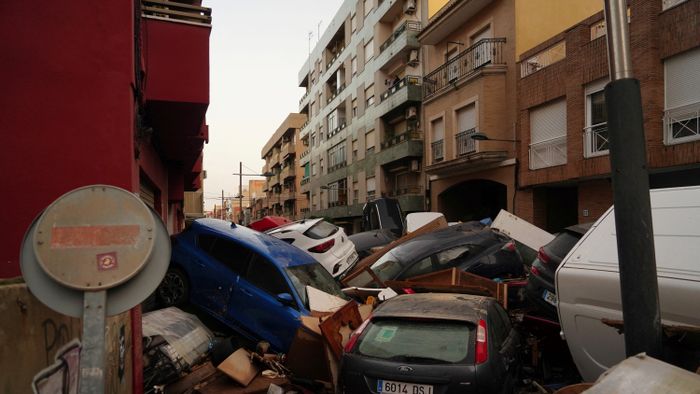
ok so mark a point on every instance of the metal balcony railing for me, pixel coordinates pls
(408, 25)
(407, 190)
(595, 140)
(486, 51)
(305, 181)
(177, 12)
(399, 138)
(407, 80)
(548, 153)
(438, 148)
(464, 142)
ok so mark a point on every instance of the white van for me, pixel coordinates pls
(588, 281)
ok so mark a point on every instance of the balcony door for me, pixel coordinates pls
(481, 46)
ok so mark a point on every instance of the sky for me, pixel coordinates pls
(256, 50)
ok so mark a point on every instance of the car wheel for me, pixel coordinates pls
(174, 288)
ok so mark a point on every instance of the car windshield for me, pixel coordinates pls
(316, 276)
(321, 230)
(387, 267)
(421, 341)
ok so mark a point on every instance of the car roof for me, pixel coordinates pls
(299, 225)
(580, 228)
(278, 251)
(439, 306)
(442, 239)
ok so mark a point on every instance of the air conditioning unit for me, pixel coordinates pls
(413, 58)
(409, 7)
(411, 113)
(415, 165)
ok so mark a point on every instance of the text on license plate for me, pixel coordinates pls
(550, 297)
(391, 387)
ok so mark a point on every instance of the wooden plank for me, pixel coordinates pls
(239, 367)
(371, 259)
(183, 15)
(335, 327)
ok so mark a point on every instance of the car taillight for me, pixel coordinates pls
(510, 246)
(324, 247)
(482, 352)
(356, 335)
(534, 270)
(543, 256)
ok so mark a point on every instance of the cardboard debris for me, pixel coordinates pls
(322, 302)
(239, 367)
(337, 328)
(521, 230)
(306, 357)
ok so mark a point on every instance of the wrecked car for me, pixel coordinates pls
(250, 281)
(325, 241)
(432, 343)
(482, 252)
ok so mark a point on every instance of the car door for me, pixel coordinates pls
(220, 272)
(257, 307)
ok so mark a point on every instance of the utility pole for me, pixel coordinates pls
(222, 204)
(630, 179)
(240, 192)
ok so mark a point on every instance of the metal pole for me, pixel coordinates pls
(222, 204)
(240, 192)
(92, 352)
(630, 180)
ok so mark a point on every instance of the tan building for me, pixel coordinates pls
(564, 173)
(282, 188)
(363, 93)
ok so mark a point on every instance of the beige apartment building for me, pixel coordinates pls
(363, 138)
(282, 188)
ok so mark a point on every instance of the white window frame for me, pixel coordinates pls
(588, 138)
(551, 151)
(684, 111)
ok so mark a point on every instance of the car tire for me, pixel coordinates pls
(173, 289)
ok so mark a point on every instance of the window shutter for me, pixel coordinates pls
(466, 118)
(682, 79)
(438, 130)
(371, 184)
(548, 121)
(369, 140)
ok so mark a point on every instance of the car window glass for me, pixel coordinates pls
(231, 254)
(498, 327)
(562, 244)
(374, 219)
(321, 230)
(455, 256)
(387, 267)
(421, 267)
(266, 276)
(205, 242)
(313, 275)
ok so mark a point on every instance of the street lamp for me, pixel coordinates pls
(240, 187)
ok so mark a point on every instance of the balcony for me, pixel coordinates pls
(464, 143)
(288, 172)
(408, 144)
(438, 150)
(336, 166)
(548, 153)
(305, 153)
(544, 58)
(288, 195)
(274, 180)
(595, 140)
(305, 181)
(408, 89)
(488, 51)
(288, 149)
(338, 129)
(402, 40)
(412, 134)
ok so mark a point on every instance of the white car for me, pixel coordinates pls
(326, 242)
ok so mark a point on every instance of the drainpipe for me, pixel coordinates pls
(630, 180)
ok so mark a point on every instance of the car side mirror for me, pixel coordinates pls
(286, 299)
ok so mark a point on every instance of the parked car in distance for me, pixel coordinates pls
(250, 281)
(540, 283)
(480, 251)
(326, 242)
(588, 284)
(432, 343)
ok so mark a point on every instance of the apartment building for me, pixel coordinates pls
(565, 168)
(363, 138)
(282, 188)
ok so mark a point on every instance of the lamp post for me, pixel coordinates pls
(240, 187)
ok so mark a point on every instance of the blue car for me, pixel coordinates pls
(251, 281)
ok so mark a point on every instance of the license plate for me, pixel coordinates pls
(550, 297)
(392, 387)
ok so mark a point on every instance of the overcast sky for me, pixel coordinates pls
(256, 51)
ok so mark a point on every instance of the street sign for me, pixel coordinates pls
(96, 251)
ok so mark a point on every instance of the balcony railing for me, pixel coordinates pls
(486, 51)
(337, 166)
(406, 190)
(338, 203)
(162, 9)
(464, 142)
(336, 93)
(408, 25)
(682, 124)
(399, 138)
(305, 181)
(595, 140)
(337, 130)
(306, 94)
(288, 149)
(543, 59)
(438, 149)
(548, 153)
(305, 153)
(287, 172)
(407, 80)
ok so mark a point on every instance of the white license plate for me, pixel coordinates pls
(392, 387)
(550, 297)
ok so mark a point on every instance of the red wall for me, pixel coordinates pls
(66, 117)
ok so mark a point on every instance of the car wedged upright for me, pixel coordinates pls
(432, 343)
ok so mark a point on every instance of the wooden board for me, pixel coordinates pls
(239, 367)
(337, 328)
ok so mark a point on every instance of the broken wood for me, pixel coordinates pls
(337, 328)
(239, 367)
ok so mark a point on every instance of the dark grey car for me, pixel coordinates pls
(433, 344)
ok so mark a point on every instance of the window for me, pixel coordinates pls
(437, 136)
(682, 97)
(321, 229)
(314, 169)
(306, 170)
(423, 266)
(548, 135)
(313, 275)
(313, 139)
(354, 150)
(332, 120)
(482, 53)
(367, 6)
(466, 127)
(369, 95)
(265, 276)
(229, 253)
(336, 155)
(369, 141)
(320, 165)
(353, 23)
(596, 130)
(371, 186)
(354, 107)
(353, 65)
(369, 50)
